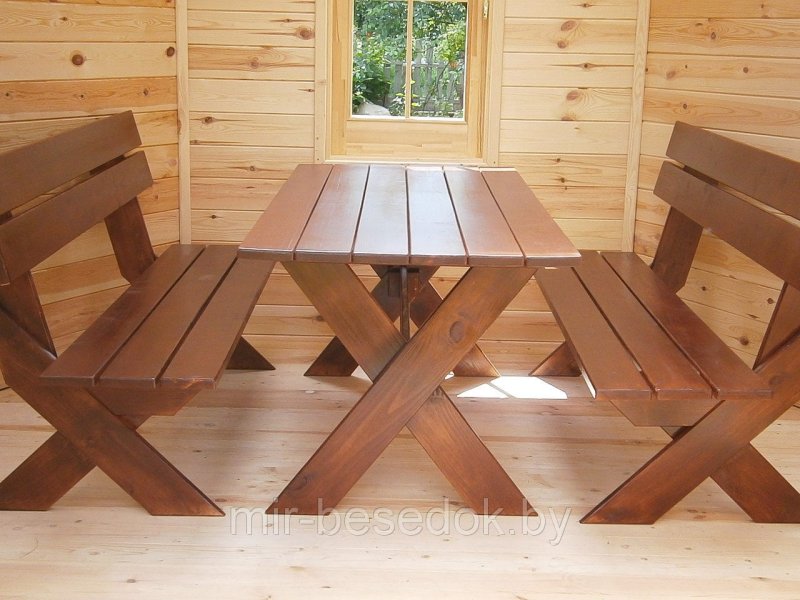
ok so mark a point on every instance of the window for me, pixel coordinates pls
(408, 79)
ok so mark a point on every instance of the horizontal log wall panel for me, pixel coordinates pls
(602, 203)
(63, 64)
(726, 37)
(210, 193)
(755, 76)
(566, 104)
(35, 61)
(279, 6)
(574, 35)
(567, 69)
(59, 99)
(771, 116)
(722, 9)
(259, 97)
(246, 129)
(587, 170)
(248, 161)
(578, 137)
(251, 62)
(54, 22)
(250, 28)
(597, 9)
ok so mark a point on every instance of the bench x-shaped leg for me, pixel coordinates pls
(405, 392)
(718, 446)
(336, 361)
(88, 435)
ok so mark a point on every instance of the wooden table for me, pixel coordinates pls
(406, 222)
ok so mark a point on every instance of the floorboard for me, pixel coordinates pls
(389, 538)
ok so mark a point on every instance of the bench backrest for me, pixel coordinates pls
(746, 196)
(54, 190)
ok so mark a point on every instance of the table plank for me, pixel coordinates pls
(382, 236)
(487, 236)
(339, 203)
(433, 231)
(541, 240)
(278, 230)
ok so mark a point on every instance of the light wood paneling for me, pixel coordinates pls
(250, 28)
(559, 9)
(574, 35)
(562, 70)
(251, 62)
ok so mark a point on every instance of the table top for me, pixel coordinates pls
(408, 215)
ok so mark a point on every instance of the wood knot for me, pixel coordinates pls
(573, 95)
(171, 51)
(457, 331)
(562, 44)
(78, 59)
(569, 25)
(208, 120)
(746, 70)
(305, 33)
(671, 74)
(254, 64)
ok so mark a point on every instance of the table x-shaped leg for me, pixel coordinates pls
(336, 361)
(405, 391)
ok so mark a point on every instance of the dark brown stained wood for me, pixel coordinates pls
(246, 358)
(99, 436)
(784, 324)
(278, 230)
(767, 177)
(727, 374)
(29, 238)
(612, 373)
(205, 352)
(83, 361)
(40, 167)
(560, 362)
(130, 240)
(487, 238)
(140, 404)
(20, 300)
(665, 367)
(434, 236)
(339, 203)
(676, 412)
(394, 397)
(382, 236)
(140, 362)
(542, 241)
(737, 222)
(676, 249)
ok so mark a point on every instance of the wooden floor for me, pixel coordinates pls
(242, 443)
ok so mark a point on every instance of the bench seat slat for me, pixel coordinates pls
(146, 353)
(205, 352)
(612, 372)
(668, 370)
(729, 376)
(82, 362)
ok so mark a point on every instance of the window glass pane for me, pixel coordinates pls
(379, 53)
(439, 52)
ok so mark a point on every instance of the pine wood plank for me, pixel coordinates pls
(728, 375)
(611, 373)
(249, 162)
(339, 202)
(600, 9)
(487, 236)
(56, 22)
(583, 69)
(83, 361)
(565, 104)
(667, 370)
(722, 9)
(251, 62)
(613, 36)
(246, 96)
(433, 230)
(542, 242)
(569, 137)
(736, 221)
(278, 230)
(585, 170)
(382, 236)
(255, 28)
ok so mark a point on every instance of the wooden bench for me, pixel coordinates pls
(168, 336)
(642, 348)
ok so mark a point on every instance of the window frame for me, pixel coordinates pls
(343, 137)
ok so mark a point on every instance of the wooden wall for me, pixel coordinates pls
(732, 66)
(62, 63)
